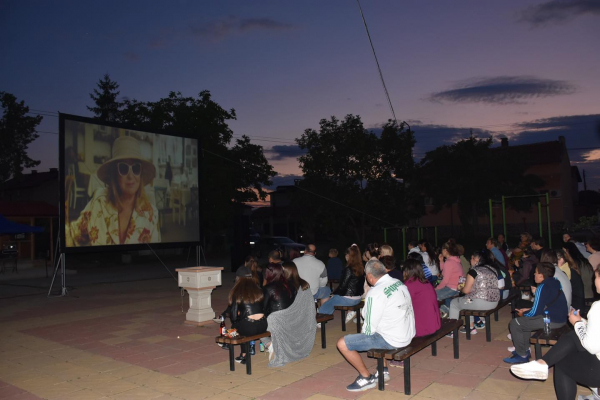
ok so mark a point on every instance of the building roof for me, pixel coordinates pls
(32, 179)
(538, 153)
(28, 209)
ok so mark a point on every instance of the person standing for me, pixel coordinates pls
(389, 323)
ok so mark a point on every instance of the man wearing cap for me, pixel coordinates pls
(120, 213)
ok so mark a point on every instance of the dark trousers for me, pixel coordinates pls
(521, 328)
(251, 327)
(572, 365)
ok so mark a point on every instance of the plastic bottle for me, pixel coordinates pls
(222, 327)
(546, 323)
(262, 347)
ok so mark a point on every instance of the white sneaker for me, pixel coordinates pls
(354, 320)
(318, 325)
(509, 336)
(511, 349)
(593, 396)
(530, 370)
(350, 316)
(386, 374)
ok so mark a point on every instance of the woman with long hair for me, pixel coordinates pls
(424, 299)
(252, 264)
(371, 252)
(480, 289)
(451, 269)
(577, 292)
(582, 266)
(247, 312)
(350, 289)
(575, 358)
(290, 271)
(429, 257)
(279, 294)
(121, 213)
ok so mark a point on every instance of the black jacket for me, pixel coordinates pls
(350, 284)
(277, 297)
(245, 310)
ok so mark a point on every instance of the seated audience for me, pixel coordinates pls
(524, 268)
(480, 288)
(492, 245)
(424, 299)
(548, 297)
(575, 358)
(252, 264)
(429, 257)
(583, 248)
(451, 269)
(577, 292)
(593, 249)
(350, 289)
(582, 266)
(538, 245)
(389, 323)
(334, 265)
(313, 271)
(278, 293)
(502, 245)
(549, 255)
(292, 328)
(246, 308)
(426, 271)
(466, 266)
(389, 263)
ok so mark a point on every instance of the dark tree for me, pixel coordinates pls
(105, 96)
(353, 178)
(17, 131)
(470, 172)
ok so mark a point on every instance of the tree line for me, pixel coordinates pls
(355, 181)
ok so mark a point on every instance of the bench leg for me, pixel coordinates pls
(323, 337)
(496, 315)
(380, 378)
(434, 349)
(343, 320)
(538, 350)
(513, 307)
(358, 321)
(407, 376)
(467, 327)
(231, 358)
(248, 359)
(455, 343)
(488, 329)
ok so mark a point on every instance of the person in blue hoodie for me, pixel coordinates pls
(548, 297)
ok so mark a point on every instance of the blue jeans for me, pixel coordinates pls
(446, 294)
(322, 293)
(362, 342)
(328, 307)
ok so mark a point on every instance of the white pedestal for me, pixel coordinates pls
(199, 282)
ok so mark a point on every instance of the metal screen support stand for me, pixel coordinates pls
(60, 262)
(200, 254)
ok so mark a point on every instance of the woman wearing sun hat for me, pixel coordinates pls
(121, 212)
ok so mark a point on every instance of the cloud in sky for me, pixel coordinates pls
(285, 151)
(558, 11)
(503, 90)
(232, 25)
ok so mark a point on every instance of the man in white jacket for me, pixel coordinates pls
(389, 323)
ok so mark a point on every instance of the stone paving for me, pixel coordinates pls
(127, 341)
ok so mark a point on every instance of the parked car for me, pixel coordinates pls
(283, 244)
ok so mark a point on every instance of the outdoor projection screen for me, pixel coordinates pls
(122, 186)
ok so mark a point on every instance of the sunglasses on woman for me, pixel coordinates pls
(124, 168)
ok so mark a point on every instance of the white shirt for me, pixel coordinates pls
(388, 311)
(589, 331)
(313, 271)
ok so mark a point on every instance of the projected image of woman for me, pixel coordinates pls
(120, 213)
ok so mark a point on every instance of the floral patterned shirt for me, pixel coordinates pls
(98, 224)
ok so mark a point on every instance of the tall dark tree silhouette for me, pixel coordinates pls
(17, 131)
(360, 174)
(107, 107)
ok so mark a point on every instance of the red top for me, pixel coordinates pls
(425, 305)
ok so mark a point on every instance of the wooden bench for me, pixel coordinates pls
(511, 299)
(539, 338)
(416, 345)
(356, 308)
(244, 342)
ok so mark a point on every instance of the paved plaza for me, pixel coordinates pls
(127, 341)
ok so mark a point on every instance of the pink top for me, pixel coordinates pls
(425, 305)
(452, 271)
